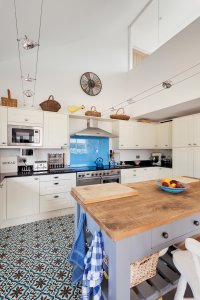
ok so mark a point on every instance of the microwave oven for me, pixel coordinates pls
(24, 135)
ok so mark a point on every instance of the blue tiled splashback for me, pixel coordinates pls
(85, 150)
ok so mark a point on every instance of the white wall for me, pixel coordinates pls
(177, 55)
(60, 69)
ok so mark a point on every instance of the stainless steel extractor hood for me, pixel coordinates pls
(93, 130)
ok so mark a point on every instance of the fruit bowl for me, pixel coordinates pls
(171, 188)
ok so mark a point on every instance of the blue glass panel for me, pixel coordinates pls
(85, 150)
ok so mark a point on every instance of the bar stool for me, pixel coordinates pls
(188, 264)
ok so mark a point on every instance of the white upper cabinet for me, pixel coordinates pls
(164, 135)
(25, 117)
(196, 163)
(186, 131)
(56, 130)
(134, 135)
(3, 126)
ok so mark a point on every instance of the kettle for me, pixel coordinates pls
(99, 162)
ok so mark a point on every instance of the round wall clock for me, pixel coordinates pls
(91, 83)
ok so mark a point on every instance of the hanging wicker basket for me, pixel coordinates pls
(121, 116)
(93, 112)
(8, 101)
(50, 104)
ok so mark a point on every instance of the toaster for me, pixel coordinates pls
(40, 165)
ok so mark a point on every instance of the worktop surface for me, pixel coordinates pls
(152, 207)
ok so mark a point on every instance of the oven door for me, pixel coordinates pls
(24, 135)
(110, 179)
(87, 181)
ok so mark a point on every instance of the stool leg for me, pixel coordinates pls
(180, 292)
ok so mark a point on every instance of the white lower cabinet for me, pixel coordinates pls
(2, 202)
(55, 193)
(22, 197)
(144, 174)
(164, 173)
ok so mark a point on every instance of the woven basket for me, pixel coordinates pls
(8, 101)
(141, 270)
(120, 116)
(93, 112)
(50, 104)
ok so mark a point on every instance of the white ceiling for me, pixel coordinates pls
(148, 34)
(63, 21)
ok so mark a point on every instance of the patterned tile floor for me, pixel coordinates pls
(33, 261)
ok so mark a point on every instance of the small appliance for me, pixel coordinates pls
(8, 164)
(156, 158)
(40, 165)
(56, 161)
(20, 135)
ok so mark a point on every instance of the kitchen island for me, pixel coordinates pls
(140, 225)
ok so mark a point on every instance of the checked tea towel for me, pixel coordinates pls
(93, 272)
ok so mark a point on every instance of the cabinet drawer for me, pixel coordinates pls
(55, 202)
(51, 187)
(56, 177)
(23, 116)
(174, 230)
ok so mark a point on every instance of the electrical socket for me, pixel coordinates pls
(137, 156)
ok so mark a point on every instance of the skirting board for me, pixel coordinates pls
(38, 217)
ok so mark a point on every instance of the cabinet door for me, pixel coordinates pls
(22, 197)
(180, 132)
(56, 130)
(151, 173)
(55, 202)
(196, 130)
(196, 163)
(183, 162)
(3, 126)
(165, 173)
(164, 135)
(146, 135)
(126, 140)
(25, 117)
(132, 175)
(2, 201)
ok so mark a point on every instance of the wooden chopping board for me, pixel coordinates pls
(102, 192)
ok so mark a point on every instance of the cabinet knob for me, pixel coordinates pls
(56, 177)
(165, 235)
(189, 144)
(56, 196)
(3, 143)
(56, 183)
(26, 120)
(194, 144)
(36, 178)
(166, 145)
(196, 223)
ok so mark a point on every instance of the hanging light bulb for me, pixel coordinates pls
(28, 78)
(28, 93)
(28, 44)
(167, 84)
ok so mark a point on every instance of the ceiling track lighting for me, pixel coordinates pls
(28, 78)
(28, 93)
(28, 44)
(167, 84)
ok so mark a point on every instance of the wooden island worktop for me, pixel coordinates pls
(152, 207)
(137, 226)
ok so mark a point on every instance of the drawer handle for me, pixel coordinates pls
(3, 143)
(56, 183)
(56, 196)
(196, 223)
(56, 177)
(26, 120)
(36, 178)
(189, 144)
(165, 235)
